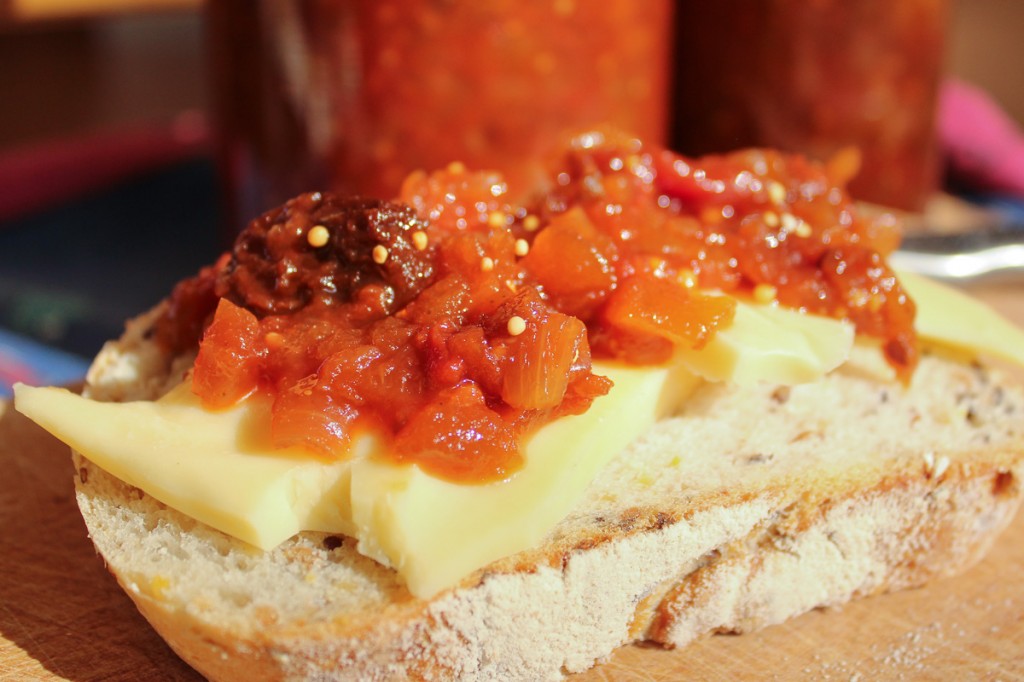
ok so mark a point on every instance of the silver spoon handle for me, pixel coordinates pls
(985, 254)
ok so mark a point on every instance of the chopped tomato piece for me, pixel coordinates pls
(695, 181)
(584, 387)
(446, 299)
(662, 308)
(227, 368)
(308, 415)
(487, 262)
(874, 302)
(189, 308)
(536, 374)
(455, 200)
(573, 262)
(459, 437)
(343, 372)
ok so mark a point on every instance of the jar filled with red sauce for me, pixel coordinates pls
(352, 96)
(815, 77)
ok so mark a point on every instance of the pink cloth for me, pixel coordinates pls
(984, 147)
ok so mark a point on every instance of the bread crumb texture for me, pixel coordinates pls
(750, 506)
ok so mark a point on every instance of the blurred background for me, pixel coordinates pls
(112, 187)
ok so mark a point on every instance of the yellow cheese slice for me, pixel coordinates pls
(216, 467)
(950, 317)
(771, 344)
(219, 467)
(480, 524)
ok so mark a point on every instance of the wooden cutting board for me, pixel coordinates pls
(62, 617)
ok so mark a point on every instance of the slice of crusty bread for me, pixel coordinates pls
(749, 507)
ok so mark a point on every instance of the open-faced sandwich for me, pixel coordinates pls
(456, 436)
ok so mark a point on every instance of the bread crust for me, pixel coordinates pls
(848, 488)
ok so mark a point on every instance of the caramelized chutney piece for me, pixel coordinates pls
(734, 222)
(317, 247)
(182, 319)
(441, 346)
(325, 248)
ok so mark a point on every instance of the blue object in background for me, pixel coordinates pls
(1009, 207)
(32, 363)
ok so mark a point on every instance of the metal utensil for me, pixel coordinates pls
(995, 253)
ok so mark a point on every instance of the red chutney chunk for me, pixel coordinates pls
(736, 221)
(451, 321)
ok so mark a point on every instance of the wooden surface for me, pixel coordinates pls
(62, 617)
